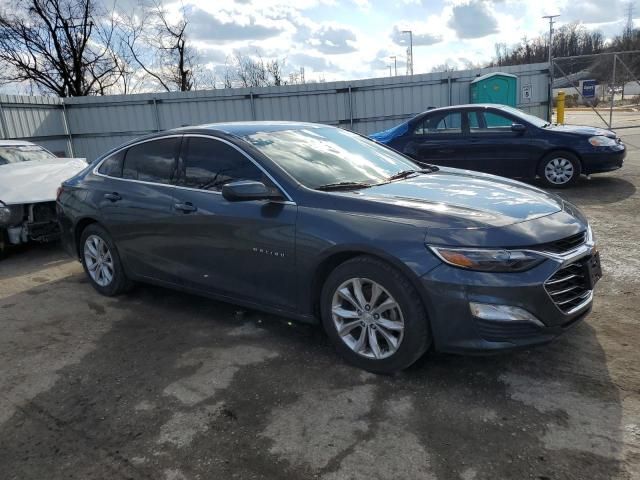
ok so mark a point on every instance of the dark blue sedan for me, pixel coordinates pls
(506, 141)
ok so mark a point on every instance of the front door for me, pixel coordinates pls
(495, 148)
(241, 249)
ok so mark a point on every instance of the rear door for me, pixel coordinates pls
(135, 202)
(439, 138)
(243, 249)
(495, 148)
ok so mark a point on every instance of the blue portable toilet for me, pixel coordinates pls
(497, 87)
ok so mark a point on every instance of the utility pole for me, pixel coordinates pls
(409, 52)
(395, 64)
(390, 71)
(551, 22)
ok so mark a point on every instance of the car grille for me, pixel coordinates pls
(506, 331)
(568, 287)
(564, 244)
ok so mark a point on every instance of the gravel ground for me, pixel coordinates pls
(163, 385)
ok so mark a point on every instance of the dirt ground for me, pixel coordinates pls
(163, 385)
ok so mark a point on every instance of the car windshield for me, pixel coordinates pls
(327, 156)
(538, 122)
(23, 153)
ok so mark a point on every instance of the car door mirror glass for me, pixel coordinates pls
(246, 190)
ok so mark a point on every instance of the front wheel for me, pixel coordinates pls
(559, 169)
(374, 316)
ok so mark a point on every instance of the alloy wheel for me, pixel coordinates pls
(99, 261)
(559, 171)
(367, 318)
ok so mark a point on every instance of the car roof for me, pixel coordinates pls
(465, 106)
(242, 129)
(15, 143)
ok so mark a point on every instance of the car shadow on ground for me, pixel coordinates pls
(597, 190)
(178, 386)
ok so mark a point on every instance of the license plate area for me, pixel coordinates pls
(592, 270)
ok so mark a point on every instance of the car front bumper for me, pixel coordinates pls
(448, 292)
(604, 160)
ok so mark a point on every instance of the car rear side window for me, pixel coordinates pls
(112, 166)
(448, 123)
(153, 161)
(208, 164)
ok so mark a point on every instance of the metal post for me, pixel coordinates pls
(350, 108)
(450, 92)
(67, 129)
(613, 89)
(395, 64)
(390, 71)
(550, 109)
(157, 114)
(253, 107)
(5, 133)
(410, 56)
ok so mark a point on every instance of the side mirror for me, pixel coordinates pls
(518, 127)
(245, 190)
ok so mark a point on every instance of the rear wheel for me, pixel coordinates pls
(374, 316)
(559, 169)
(101, 261)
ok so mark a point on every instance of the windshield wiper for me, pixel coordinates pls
(343, 186)
(406, 173)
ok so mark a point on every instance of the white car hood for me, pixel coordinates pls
(37, 180)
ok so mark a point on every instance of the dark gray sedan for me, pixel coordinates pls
(323, 225)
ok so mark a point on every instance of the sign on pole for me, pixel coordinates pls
(526, 93)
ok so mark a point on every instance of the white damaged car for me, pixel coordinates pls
(29, 179)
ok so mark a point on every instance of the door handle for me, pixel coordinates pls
(185, 207)
(114, 197)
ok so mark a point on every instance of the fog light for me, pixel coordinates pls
(502, 313)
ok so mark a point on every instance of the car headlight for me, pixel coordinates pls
(10, 215)
(488, 260)
(602, 141)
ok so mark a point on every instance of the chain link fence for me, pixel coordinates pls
(601, 89)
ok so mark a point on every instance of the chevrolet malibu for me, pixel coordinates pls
(322, 225)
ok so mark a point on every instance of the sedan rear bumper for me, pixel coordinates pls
(449, 292)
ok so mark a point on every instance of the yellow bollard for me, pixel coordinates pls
(560, 106)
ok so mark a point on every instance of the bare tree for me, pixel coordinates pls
(160, 46)
(246, 71)
(62, 46)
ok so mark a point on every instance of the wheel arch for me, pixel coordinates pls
(335, 258)
(556, 150)
(80, 226)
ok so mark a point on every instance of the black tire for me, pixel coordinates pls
(546, 169)
(416, 336)
(119, 282)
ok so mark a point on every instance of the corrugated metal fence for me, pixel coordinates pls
(88, 126)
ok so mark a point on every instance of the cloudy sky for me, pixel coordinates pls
(347, 39)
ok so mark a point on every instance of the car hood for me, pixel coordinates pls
(36, 181)
(460, 207)
(582, 130)
(454, 198)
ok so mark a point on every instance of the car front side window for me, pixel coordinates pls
(152, 161)
(495, 121)
(208, 164)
